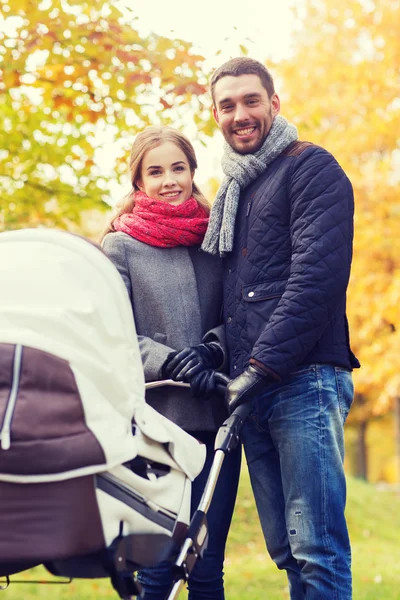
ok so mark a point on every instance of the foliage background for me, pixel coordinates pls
(77, 78)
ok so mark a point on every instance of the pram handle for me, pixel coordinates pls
(165, 382)
(228, 435)
(242, 411)
(219, 389)
(226, 440)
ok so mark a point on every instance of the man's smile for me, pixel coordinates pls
(245, 131)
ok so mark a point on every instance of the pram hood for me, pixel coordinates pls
(63, 296)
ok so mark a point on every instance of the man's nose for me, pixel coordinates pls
(241, 113)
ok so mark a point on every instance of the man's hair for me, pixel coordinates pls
(243, 66)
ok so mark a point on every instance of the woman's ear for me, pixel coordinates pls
(139, 185)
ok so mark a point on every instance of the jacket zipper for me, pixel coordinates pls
(5, 432)
(248, 209)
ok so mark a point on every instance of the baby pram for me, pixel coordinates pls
(93, 482)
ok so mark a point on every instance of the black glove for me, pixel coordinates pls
(208, 382)
(245, 387)
(190, 361)
(165, 367)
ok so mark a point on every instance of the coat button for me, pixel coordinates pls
(229, 320)
(250, 294)
(244, 251)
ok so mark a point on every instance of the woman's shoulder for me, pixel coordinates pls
(118, 239)
(112, 236)
(118, 242)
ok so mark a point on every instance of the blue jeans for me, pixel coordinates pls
(206, 579)
(294, 448)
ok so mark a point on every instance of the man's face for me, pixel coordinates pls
(244, 112)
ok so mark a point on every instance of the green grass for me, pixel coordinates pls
(374, 522)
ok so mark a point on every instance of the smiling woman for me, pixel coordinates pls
(166, 174)
(176, 295)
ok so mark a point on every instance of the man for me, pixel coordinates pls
(283, 221)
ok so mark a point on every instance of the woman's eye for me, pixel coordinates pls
(179, 168)
(157, 172)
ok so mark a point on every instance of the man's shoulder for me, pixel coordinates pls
(307, 155)
(297, 147)
(303, 150)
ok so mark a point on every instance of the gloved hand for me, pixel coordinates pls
(190, 361)
(246, 386)
(165, 367)
(208, 382)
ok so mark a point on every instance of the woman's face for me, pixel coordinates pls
(166, 174)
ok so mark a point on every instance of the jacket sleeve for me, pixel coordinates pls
(153, 354)
(321, 225)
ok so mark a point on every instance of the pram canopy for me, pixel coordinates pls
(62, 296)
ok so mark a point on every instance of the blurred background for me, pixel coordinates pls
(79, 79)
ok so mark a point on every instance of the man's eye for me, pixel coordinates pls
(227, 107)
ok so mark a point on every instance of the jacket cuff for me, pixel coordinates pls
(266, 370)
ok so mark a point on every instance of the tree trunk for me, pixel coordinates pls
(362, 453)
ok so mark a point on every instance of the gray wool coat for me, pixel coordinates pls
(176, 296)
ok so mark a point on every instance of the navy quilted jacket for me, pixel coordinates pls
(285, 281)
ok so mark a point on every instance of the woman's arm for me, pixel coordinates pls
(153, 354)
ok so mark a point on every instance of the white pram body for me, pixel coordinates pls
(74, 475)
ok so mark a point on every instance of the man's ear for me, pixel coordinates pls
(215, 114)
(275, 104)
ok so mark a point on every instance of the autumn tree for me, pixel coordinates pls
(75, 75)
(342, 89)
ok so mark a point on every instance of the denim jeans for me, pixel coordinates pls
(206, 579)
(294, 448)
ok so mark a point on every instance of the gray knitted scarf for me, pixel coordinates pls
(240, 170)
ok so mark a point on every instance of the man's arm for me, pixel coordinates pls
(321, 224)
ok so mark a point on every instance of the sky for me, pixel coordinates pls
(263, 26)
(213, 25)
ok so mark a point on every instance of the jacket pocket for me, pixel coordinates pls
(261, 299)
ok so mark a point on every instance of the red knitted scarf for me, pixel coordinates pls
(161, 224)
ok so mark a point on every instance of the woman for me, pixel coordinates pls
(176, 294)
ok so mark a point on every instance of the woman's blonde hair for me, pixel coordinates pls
(150, 138)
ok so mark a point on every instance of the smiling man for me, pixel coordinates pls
(245, 111)
(283, 222)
